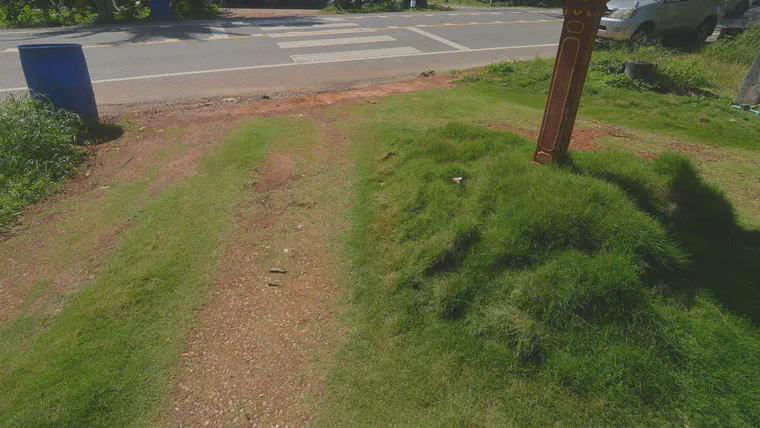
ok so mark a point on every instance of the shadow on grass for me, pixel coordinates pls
(103, 133)
(725, 257)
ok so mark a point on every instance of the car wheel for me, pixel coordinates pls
(705, 30)
(642, 34)
(738, 11)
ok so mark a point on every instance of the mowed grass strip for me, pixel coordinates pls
(613, 291)
(105, 360)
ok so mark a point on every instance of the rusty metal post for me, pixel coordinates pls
(582, 18)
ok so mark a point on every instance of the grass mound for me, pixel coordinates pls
(585, 293)
(36, 152)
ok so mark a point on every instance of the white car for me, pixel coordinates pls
(737, 8)
(634, 19)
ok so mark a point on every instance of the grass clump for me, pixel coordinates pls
(37, 151)
(528, 296)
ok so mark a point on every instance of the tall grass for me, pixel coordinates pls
(37, 150)
(741, 50)
(530, 296)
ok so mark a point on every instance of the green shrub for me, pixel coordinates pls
(20, 14)
(682, 74)
(195, 9)
(36, 152)
(29, 17)
(132, 10)
(4, 22)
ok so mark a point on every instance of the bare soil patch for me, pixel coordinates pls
(40, 247)
(250, 360)
(583, 139)
(187, 113)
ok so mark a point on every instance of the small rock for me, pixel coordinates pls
(266, 97)
(428, 73)
(732, 120)
(230, 100)
(300, 227)
(373, 102)
(457, 179)
(278, 270)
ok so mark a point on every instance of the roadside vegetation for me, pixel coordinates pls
(38, 149)
(616, 289)
(501, 3)
(22, 13)
(689, 98)
(612, 290)
(381, 6)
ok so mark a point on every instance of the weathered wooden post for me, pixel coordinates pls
(749, 93)
(582, 18)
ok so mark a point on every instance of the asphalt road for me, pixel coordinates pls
(185, 60)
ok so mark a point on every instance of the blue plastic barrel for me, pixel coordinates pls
(160, 10)
(59, 72)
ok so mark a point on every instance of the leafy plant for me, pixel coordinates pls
(195, 9)
(36, 151)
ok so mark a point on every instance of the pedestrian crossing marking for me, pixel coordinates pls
(349, 55)
(309, 27)
(335, 42)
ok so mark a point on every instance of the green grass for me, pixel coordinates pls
(610, 291)
(611, 98)
(104, 359)
(37, 151)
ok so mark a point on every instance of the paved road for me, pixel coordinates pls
(183, 60)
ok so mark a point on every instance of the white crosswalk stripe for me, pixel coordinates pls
(309, 27)
(440, 39)
(348, 55)
(335, 42)
(321, 32)
(218, 32)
